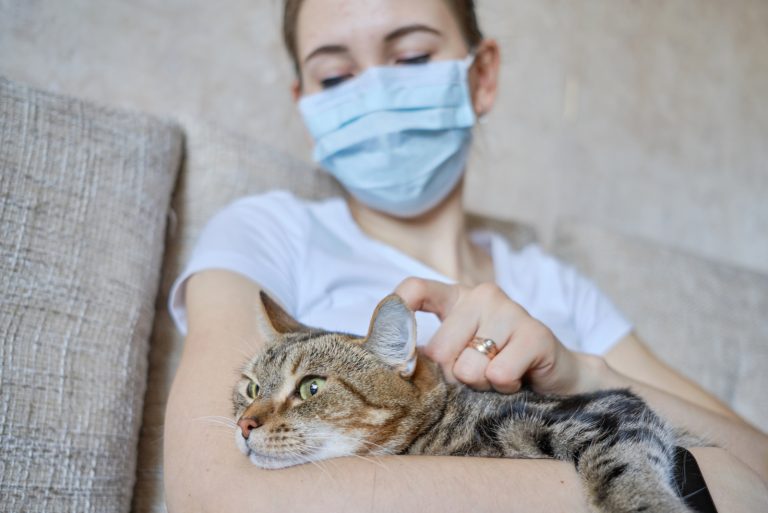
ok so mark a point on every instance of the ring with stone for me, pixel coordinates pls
(484, 345)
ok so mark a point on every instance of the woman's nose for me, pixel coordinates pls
(247, 424)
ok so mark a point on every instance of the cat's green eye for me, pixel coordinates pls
(252, 390)
(310, 386)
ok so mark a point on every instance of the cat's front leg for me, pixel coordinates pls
(629, 478)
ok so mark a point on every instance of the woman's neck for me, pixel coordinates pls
(438, 238)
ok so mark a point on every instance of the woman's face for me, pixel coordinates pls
(339, 39)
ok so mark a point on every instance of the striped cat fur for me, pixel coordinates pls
(312, 395)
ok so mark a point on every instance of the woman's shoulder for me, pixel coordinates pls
(278, 200)
(276, 209)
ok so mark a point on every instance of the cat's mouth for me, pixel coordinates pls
(328, 447)
(273, 462)
(265, 460)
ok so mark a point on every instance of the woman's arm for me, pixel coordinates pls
(737, 438)
(205, 472)
(631, 357)
(684, 403)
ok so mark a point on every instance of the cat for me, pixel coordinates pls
(312, 395)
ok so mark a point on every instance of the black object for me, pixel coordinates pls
(690, 483)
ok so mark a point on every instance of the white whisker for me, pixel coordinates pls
(321, 466)
(331, 436)
(336, 436)
(221, 418)
(218, 420)
(374, 461)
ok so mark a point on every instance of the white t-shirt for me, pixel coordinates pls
(315, 260)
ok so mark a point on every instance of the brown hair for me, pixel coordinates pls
(464, 10)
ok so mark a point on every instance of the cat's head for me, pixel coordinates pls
(313, 395)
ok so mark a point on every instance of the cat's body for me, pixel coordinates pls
(313, 395)
(621, 449)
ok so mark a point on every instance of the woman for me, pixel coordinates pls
(425, 75)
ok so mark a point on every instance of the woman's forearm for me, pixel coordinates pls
(416, 484)
(736, 437)
(204, 472)
(403, 484)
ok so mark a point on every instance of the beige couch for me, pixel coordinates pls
(99, 209)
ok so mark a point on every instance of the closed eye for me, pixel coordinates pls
(417, 59)
(334, 81)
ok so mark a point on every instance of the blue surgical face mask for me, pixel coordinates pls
(396, 137)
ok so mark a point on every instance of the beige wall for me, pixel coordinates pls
(647, 116)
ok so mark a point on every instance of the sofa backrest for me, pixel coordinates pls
(84, 195)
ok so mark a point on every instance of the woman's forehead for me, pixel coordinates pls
(355, 23)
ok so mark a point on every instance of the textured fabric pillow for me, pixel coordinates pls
(705, 318)
(84, 196)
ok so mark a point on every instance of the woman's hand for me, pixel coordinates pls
(527, 349)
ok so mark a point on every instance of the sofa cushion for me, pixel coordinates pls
(84, 195)
(705, 318)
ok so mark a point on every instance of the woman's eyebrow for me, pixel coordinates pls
(408, 29)
(325, 50)
(395, 34)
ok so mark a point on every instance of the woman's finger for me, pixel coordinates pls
(470, 367)
(454, 332)
(505, 372)
(459, 320)
(451, 338)
(525, 351)
(428, 296)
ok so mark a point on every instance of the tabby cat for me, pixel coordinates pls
(312, 395)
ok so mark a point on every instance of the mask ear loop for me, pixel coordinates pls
(468, 62)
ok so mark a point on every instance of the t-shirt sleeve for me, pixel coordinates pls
(259, 237)
(598, 322)
(568, 303)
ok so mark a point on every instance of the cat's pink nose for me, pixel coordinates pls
(247, 424)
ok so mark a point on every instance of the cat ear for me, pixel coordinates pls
(277, 320)
(392, 335)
